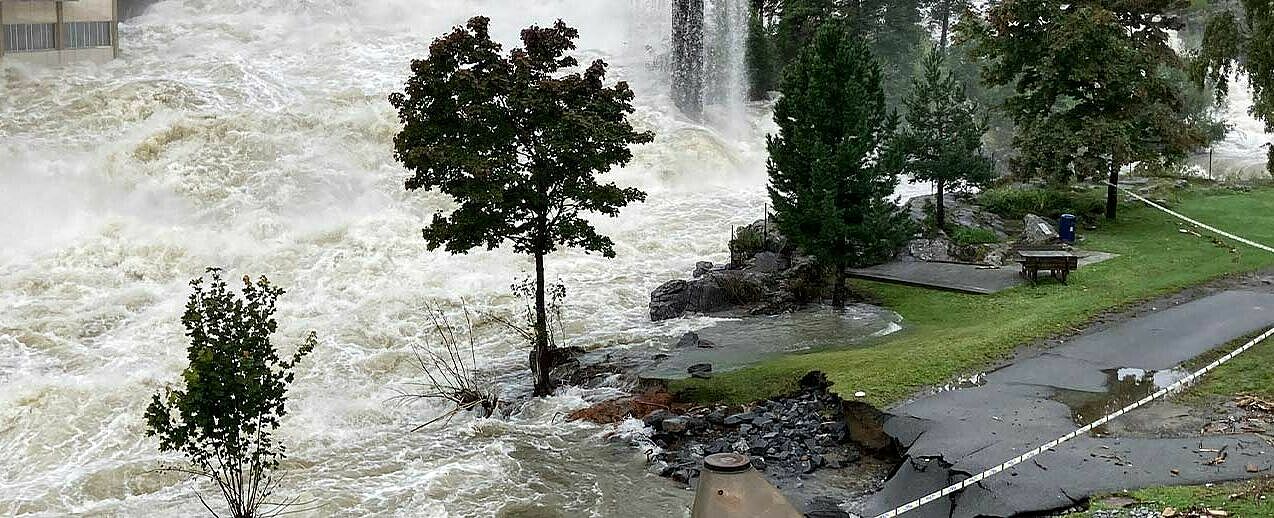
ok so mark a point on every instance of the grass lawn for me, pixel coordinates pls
(949, 334)
(1252, 499)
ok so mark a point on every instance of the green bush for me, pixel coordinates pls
(965, 236)
(1014, 203)
(747, 241)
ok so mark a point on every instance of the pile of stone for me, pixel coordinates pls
(786, 437)
(765, 282)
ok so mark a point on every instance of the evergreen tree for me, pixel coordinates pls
(519, 144)
(829, 175)
(943, 138)
(1092, 85)
(1244, 45)
(223, 419)
(762, 68)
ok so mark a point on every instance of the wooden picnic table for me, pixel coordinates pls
(1058, 262)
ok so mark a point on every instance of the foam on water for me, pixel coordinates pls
(255, 135)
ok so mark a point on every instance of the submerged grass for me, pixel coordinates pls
(949, 334)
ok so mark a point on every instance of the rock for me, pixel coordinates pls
(669, 300)
(690, 339)
(770, 262)
(738, 419)
(1182, 184)
(660, 468)
(1037, 231)
(708, 293)
(824, 507)
(656, 418)
(758, 463)
(937, 249)
(678, 424)
(702, 268)
(700, 370)
(717, 446)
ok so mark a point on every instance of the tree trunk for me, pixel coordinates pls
(946, 25)
(543, 356)
(838, 290)
(941, 209)
(1112, 194)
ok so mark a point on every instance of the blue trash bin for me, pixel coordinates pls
(1066, 228)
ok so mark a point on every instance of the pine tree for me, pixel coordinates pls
(762, 68)
(518, 143)
(829, 175)
(943, 138)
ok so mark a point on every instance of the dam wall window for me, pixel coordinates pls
(29, 37)
(80, 35)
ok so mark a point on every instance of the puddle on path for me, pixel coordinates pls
(1123, 387)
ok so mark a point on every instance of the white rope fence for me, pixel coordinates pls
(1184, 382)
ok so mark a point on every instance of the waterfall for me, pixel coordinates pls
(709, 74)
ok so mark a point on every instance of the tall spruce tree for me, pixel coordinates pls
(830, 177)
(1093, 85)
(942, 140)
(518, 142)
(762, 66)
(1242, 44)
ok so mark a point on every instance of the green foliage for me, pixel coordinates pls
(1092, 91)
(1015, 203)
(518, 142)
(942, 141)
(1247, 46)
(762, 66)
(950, 334)
(235, 392)
(747, 242)
(966, 236)
(831, 169)
(891, 29)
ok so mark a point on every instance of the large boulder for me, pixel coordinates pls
(669, 300)
(960, 211)
(935, 249)
(1037, 231)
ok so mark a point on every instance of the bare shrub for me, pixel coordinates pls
(451, 370)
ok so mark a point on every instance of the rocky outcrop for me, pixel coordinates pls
(771, 280)
(960, 211)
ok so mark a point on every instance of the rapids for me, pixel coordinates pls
(256, 136)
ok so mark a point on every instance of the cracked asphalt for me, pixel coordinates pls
(951, 435)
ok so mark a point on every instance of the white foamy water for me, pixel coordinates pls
(256, 136)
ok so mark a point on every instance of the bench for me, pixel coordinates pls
(1058, 262)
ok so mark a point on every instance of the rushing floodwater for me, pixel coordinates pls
(255, 135)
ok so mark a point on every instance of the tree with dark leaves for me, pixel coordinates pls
(518, 141)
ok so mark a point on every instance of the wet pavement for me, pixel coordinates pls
(960, 278)
(735, 343)
(953, 434)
